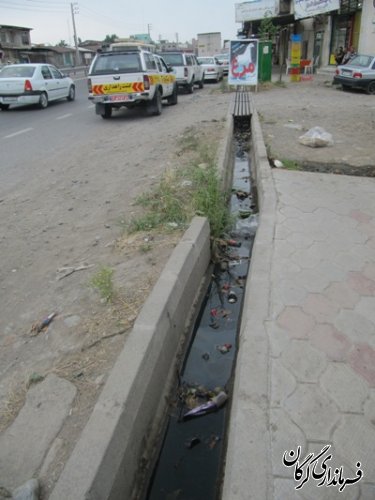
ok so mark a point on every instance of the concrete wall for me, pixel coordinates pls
(367, 33)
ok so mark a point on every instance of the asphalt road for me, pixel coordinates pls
(29, 135)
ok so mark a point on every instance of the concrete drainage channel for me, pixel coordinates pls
(114, 456)
(190, 462)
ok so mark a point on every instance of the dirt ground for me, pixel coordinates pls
(41, 274)
(287, 112)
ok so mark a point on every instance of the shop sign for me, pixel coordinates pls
(310, 8)
(256, 9)
(243, 62)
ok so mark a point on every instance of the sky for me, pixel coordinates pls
(51, 20)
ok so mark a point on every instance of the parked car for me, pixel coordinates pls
(213, 70)
(33, 84)
(224, 60)
(358, 73)
(186, 68)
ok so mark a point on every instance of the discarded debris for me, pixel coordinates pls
(213, 405)
(276, 163)
(38, 327)
(232, 297)
(213, 441)
(224, 348)
(241, 195)
(206, 356)
(190, 443)
(244, 214)
(316, 137)
(70, 270)
(234, 243)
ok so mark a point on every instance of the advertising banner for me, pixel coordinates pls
(256, 9)
(310, 8)
(243, 62)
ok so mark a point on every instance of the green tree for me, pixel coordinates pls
(267, 30)
(62, 43)
(110, 38)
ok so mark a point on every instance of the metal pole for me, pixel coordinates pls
(75, 32)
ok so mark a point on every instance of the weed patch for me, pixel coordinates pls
(102, 281)
(192, 189)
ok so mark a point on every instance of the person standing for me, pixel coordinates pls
(350, 53)
(339, 55)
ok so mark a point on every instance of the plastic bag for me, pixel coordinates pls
(316, 137)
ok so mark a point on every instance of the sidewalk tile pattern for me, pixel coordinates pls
(321, 330)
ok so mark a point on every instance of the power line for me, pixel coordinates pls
(31, 8)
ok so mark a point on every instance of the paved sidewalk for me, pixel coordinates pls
(305, 374)
(321, 330)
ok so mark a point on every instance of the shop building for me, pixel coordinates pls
(323, 27)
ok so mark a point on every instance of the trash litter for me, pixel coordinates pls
(316, 137)
(244, 214)
(213, 441)
(214, 404)
(224, 348)
(277, 163)
(190, 443)
(232, 297)
(38, 327)
(241, 195)
(234, 243)
(206, 356)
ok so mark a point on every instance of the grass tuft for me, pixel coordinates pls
(103, 282)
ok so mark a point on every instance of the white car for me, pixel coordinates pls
(213, 70)
(186, 68)
(224, 60)
(27, 84)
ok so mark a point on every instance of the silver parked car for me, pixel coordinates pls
(213, 70)
(27, 84)
(224, 60)
(358, 73)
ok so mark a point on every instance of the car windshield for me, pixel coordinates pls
(363, 61)
(117, 63)
(173, 59)
(17, 72)
(206, 60)
(222, 58)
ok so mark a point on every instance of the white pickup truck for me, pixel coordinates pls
(187, 69)
(128, 77)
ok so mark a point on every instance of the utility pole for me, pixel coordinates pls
(74, 9)
(149, 26)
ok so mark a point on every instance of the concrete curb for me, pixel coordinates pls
(248, 450)
(128, 413)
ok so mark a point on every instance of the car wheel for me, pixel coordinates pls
(156, 105)
(4, 107)
(190, 87)
(371, 87)
(43, 100)
(173, 99)
(345, 87)
(72, 93)
(201, 83)
(107, 113)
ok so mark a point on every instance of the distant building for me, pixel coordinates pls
(209, 44)
(14, 43)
